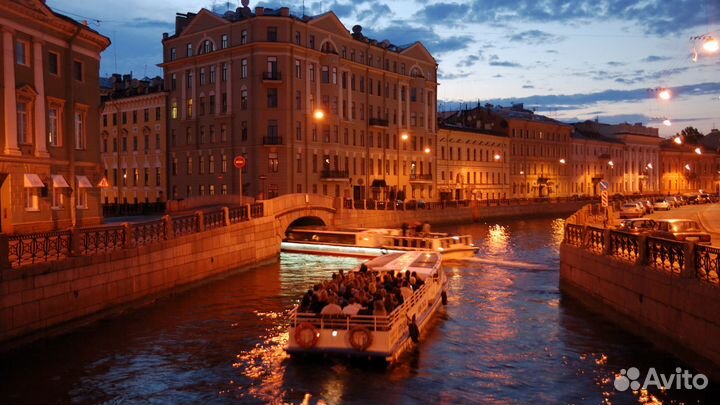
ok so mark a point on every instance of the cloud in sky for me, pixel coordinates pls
(655, 58)
(534, 37)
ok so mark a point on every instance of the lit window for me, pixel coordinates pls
(80, 138)
(21, 53)
(31, 199)
(53, 127)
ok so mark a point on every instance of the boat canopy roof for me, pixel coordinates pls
(422, 263)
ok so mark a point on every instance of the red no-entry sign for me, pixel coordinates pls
(239, 162)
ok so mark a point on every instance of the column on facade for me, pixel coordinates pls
(11, 142)
(218, 92)
(228, 86)
(40, 129)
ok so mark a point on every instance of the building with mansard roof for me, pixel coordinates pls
(250, 82)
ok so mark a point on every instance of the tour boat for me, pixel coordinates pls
(369, 336)
(366, 242)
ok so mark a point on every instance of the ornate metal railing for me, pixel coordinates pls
(707, 264)
(624, 246)
(214, 219)
(668, 255)
(185, 225)
(238, 214)
(574, 234)
(38, 247)
(148, 232)
(101, 239)
(257, 210)
(595, 239)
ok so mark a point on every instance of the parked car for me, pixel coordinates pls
(648, 205)
(631, 210)
(680, 229)
(636, 225)
(673, 201)
(661, 204)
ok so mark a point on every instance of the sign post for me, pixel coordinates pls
(604, 185)
(240, 163)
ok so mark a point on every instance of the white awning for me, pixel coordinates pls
(83, 182)
(32, 180)
(59, 181)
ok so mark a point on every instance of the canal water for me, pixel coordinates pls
(506, 337)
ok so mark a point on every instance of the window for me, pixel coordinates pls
(135, 143)
(189, 108)
(80, 138)
(243, 69)
(273, 163)
(325, 75)
(212, 74)
(298, 131)
(157, 113)
(82, 200)
(211, 164)
(78, 70)
(298, 100)
(223, 164)
(298, 38)
(175, 167)
(21, 57)
(146, 115)
(124, 177)
(208, 46)
(23, 125)
(272, 129)
(157, 176)
(136, 177)
(223, 133)
(173, 54)
(272, 98)
(244, 37)
(225, 72)
(189, 51)
(334, 75)
(298, 69)
(53, 64)
(31, 199)
(174, 110)
(173, 81)
(189, 76)
(201, 164)
(58, 197)
(134, 116)
(272, 34)
(202, 76)
(312, 72)
(224, 41)
(243, 99)
(189, 165)
(311, 42)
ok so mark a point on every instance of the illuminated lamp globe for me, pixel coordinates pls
(427, 150)
(698, 150)
(497, 156)
(319, 114)
(404, 137)
(667, 122)
(711, 45)
(665, 94)
(677, 140)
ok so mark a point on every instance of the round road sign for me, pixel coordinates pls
(239, 162)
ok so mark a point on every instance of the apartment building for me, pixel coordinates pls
(50, 160)
(472, 164)
(311, 106)
(538, 147)
(595, 158)
(688, 168)
(133, 137)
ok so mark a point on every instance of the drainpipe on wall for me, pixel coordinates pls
(71, 139)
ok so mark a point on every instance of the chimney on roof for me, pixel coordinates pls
(284, 11)
(259, 11)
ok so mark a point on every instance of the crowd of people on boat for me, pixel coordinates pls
(362, 292)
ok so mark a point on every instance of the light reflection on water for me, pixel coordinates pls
(506, 336)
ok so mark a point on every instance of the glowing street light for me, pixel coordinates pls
(677, 140)
(649, 166)
(667, 122)
(427, 149)
(497, 156)
(319, 114)
(404, 137)
(698, 150)
(687, 167)
(711, 45)
(611, 163)
(562, 161)
(665, 94)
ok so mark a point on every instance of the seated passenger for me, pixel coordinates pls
(352, 308)
(331, 309)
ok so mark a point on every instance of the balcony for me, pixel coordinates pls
(272, 76)
(421, 178)
(335, 175)
(378, 122)
(272, 140)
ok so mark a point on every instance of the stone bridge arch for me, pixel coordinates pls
(308, 209)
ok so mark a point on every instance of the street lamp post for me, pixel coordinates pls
(403, 138)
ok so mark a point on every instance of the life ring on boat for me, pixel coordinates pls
(306, 336)
(360, 338)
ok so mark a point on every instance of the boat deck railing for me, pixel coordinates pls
(430, 242)
(395, 323)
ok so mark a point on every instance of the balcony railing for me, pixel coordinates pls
(421, 177)
(378, 122)
(272, 140)
(335, 174)
(272, 76)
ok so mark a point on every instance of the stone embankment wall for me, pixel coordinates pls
(383, 219)
(666, 291)
(51, 297)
